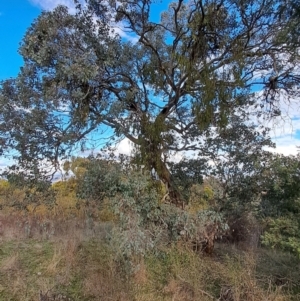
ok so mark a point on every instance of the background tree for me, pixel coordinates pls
(184, 74)
(280, 204)
(101, 179)
(33, 186)
(186, 174)
(238, 155)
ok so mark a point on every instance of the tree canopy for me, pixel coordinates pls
(180, 79)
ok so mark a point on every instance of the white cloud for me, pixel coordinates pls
(285, 139)
(177, 157)
(286, 149)
(285, 127)
(119, 29)
(125, 147)
(4, 163)
(49, 5)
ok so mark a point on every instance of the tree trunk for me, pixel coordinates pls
(151, 150)
(164, 174)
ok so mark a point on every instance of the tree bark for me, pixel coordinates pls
(166, 177)
(152, 145)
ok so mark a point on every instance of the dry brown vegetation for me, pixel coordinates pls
(47, 258)
(70, 253)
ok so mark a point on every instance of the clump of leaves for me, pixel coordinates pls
(283, 233)
(137, 206)
(145, 222)
(280, 206)
(187, 173)
(101, 179)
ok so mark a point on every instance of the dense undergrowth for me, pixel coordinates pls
(77, 261)
(110, 233)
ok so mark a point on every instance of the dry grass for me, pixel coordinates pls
(20, 226)
(178, 274)
(76, 262)
(10, 263)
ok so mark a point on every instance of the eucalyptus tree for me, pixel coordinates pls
(163, 91)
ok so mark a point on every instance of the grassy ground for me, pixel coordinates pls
(74, 260)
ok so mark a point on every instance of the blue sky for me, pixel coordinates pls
(17, 15)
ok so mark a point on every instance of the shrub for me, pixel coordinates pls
(146, 223)
(100, 180)
(283, 233)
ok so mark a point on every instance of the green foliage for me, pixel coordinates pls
(5, 192)
(186, 84)
(35, 184)
(187, 173)
(283, 233)
(196, 227)
(281, 180)
(137, 206)
(77, 166)
(238, 155)
(292, 30)
(183, 77)
(280, 205)
(201, 197)
(100, 180)
(146, 223)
